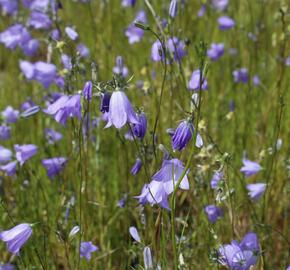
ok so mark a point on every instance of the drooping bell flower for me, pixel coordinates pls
(134, 233)
(16, 237)
(157, 53)
(120, 111)
(39, 20)
(182, 135)
(250, 167)
(55, 34)
(83, 50)
(213, 213)
(86, 248)
(241, 75)
(256, 190)
(65, 107)
(54, 165)
(215, 51)
(177, 48)
(147, 257)
(9, 6)
(66, 61)
(25, 152)
(105, 102)
(195, 84)
(71, 33)
(133, 33)
(10, 115)
(226, 23)
(169, 175)
(52, 136)
(30, 47)
(173, 8)
(5, 132)
(88, 90)
(139, 130)
(137, 166)
(120, 68)
(7, 266)
(9, 168)
(220, 5)
(5, 155)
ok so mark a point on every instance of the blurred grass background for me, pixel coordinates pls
(105, 164)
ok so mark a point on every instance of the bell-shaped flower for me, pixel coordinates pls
(25, 152)
(195, 83)
(139, 130)
(86, 248)
(226, 23)
(213, 213)
(54, 165)
(250, 167)
(9, 168)
(256, 190)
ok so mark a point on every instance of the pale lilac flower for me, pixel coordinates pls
(128, 3)
(39, 5)
(88, 90)
(5, 155)
(55, 34)
(39, 20)
(65, 107)
(216, 178)
(71, 33)
(54, 165)
(120, 111)
(256, 80)
(213, 213)
(201, 11)
(137, 166)
(5, 132)
(83, 50)
(120, 68)
(226, 23)
(30, 47)
(177, 48)
(169, 175)
(73, 232)
(220, 5)
(25, 152)
(215, 51)
(287, 61)
(10, 115)
(147, 257)
(256, 190)
(134, 233)
(173, 8)
(133, 33)
(241, 75)
(86, 249)
(52, 136)
(16, 237)
(157, 53)
(250, 167)
(66, 61)
(7, 266)
(195, 84)
(9, 6)
(9, 168)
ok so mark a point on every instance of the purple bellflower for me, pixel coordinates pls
(173, 8)
(9, 6)
(256, 190)
(157, 53)
(88, 90)
(5, 132)
(30, 47)
(220, 5)
(241, 75)
(40, 5)
(215, 51)
(120, 111)
(54, 165)
(134, 233)
(250, 167)
(86, 249)
(139, 130)
(201, 11)
(256, 80)
(10, 115)
(128, 3)
(71, 33)
(66, 61)
(65, 107)
(133, 33)
(7, 266)
(177, 48)
(105, 102)
(39, 20)
(5, 155)
(137, 166)
(182, 135)
(83, 50)
(25, 152)
(55, 34)
(52, 136)
(213, 213)
(226, 23)
(9, 168)
(194, 83)
(16, 237)
(120, 68)
(216, 178)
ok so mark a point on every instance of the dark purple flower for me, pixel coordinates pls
(65, 107)
(250, 167)
(133, 33)
(137, 166)
(71, 33)
(213, 213)
(9, 168)
(217, 176)
(9, 6)
(220, 5)
(88, 90)
(120, 68)
(83, 50)
(25, 152)
(139, 130)
(16, 237)
(134, 233)
(241, 75)
(226, 23)
(256, 190)
(105, 102)
(39, 20)
(66, 61)
(173, 8)
(120, 111)
(169, 175)
(54, 165)
(52, 136)
(5, 132)
(86, 249)
(194, 83)
(10, 115)
(215, 51)
(182, 135)
(128, 3)
(5, 155)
